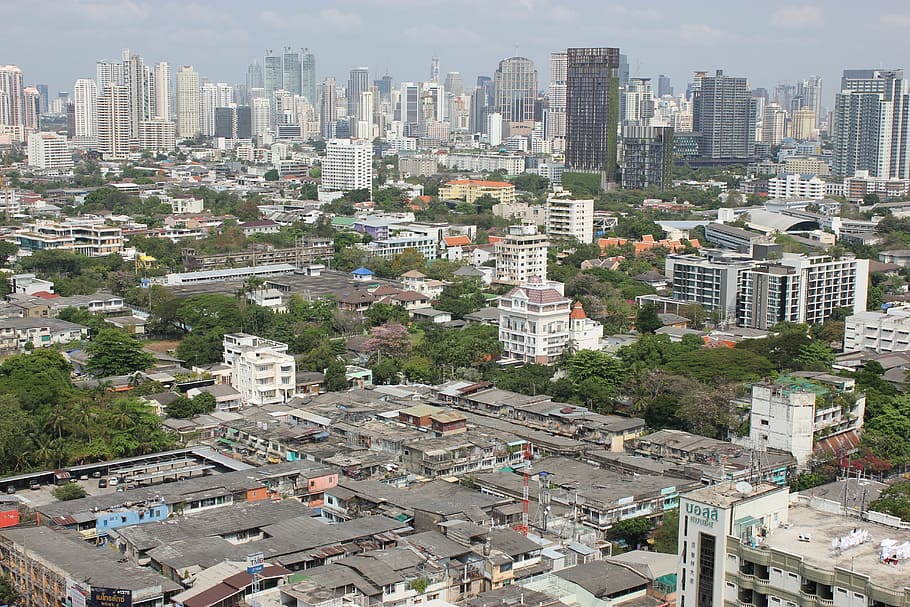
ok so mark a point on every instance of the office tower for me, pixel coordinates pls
(871, 123)
(254, 77)
(109, 72)
(162, 90)
(291, 72)
(809, 92)
(11, 111)
(85, 96)
(308, 76)
(454, 84)
(348, 165)
(639, 102)
(409, 107)
(773, 124)
(784, 94)
(49, 151)
(364, 117)
(592, 111)
(273, 74)
(481, 104)
(515, 91)
(434, 70)
(213, 96)
(42, 91)
(556, 100)
(663, 86)
(432, 102)
(114, 122)
(31, 108)
(803, 124)
(226, 122)
(328, 106)
(622, 71)
(647, 156)
(724, 114)
(384, 85)
(188, 124)
(358, 82)
(260, 116)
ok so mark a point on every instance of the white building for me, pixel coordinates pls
(584, 333)
(90, 238)
(713, 521)
(396, 245)
(794, 414)
(260, 115)
(49, 151)
(114, 122)
(261, 370)
(348, 165)
(887, 331)
(521, 255)
(511, 164)
(570, 219)
(158, 135)
(787, 186)
(85, 112)
(188, 122)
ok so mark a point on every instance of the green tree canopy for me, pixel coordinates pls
(113, 352)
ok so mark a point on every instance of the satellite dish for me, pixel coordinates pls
(743, 487)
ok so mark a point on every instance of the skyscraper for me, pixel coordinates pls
(647, 156)
(187, 102)
(138, 78)
(638, 108)
(273, 74)
(871, 123)
(260, 115)
(162, 105)
(11, 114)
(31, 108)
(409, 107)
(454, 84)
(308, 76)
(109, 72)
(724, 114)
(85, 97)
(254, 77)
(481, 104)
(384, 85)
(358, 82)
(663, 86)
(773, 124)
(592, 110)
(328, 110)
(291, 72)
(556, 100)
(515, 91)
(809, 92)
(114, 122)
(42, 90)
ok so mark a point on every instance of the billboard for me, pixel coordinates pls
(9, 518)
(75, 594)
(255, 563)
(111, 597)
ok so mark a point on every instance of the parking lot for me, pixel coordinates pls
(45, 495)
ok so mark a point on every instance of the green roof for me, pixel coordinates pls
(342, 221)
(800, 384)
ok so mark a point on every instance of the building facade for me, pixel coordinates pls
(521, 255)
(261, 370)
(49, 151)
(724, 113)
(647, 156)
(592, 110)
(870, 331)
(188, 120)
(534, 322)
(114, 122)
(348, 165)
(570, 219)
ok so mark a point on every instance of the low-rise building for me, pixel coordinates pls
(471, 189)
(88, 237)
(261, 369)
(869, 331)
(18, 335)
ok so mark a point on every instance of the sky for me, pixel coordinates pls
(58, 41)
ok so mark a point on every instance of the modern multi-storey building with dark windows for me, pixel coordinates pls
(724, 114)
(647, 156)
(592, 110)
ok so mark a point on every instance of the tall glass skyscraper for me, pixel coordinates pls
(308, 77)
(273, 74)
(592, 110)
(515, 89)
(291, 72)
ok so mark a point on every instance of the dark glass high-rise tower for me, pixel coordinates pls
(291, 72)
(592, 110)
(724, 114)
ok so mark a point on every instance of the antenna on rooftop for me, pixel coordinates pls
(743, 487)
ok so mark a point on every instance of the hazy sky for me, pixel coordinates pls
(57, 41)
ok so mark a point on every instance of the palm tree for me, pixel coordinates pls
(56, 421)
(83, 418)
(43, 452)
(121, 417)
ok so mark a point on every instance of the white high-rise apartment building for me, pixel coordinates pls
(556, 109)
(786, 186)
(521, 255)
(260, 117)
(114, 122)
(49, 151)
(109, 72)
(348, 165)
(261, 370)
(365, 126)
(11, 111)
(158, 135)
(570, 219)
(85, 107)
(773, 124)
(188, 123)
(162, 91)
(213, 96)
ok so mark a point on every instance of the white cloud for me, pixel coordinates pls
(896, 20)
(702, 33)
(797, 17)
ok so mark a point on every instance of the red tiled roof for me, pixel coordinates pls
(409, 296)
(454, 241)
(578, 311)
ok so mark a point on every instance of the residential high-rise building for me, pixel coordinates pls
(409, 107)
(109, 72)
(254, 76)
(162, 91)
(358, 82)
(308, 76)
(453, 83)
(803, 124)
(42, 90)
(260, 114)
(556, 101)
(521, 255)
(724, 114)
(141, 95)
(31, 108)
(663, 86)
(638, 107)
(49, 151)
(11, 111)
(188, 122)
(85, 108)
(515, 93)
(592, 110)
(570, 219)
(233, 122)
(291, 72)
(809, 92)
(213, 96)
(871, 128)
(647, 156)
(114, 122)
(273, 74)
(348, 165)
(158, 135)
(328, 107)
(773, 124)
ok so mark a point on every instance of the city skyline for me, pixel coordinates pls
(777, 42)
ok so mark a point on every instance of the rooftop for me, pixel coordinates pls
(725, 495)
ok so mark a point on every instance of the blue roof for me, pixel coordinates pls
(361, 271)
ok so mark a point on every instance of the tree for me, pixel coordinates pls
(665, 538)
(113, 352)
(815, 356)
(382, 313)
(69, 491)
(271, 175)
(632, 530)
(461, 297)
(895, 500)
(8, 594)
(390, 340)
(184, 407)
(591, 364)
(7, 250)
(647, 320)
(336, 376)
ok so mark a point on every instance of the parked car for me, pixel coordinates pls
(102, 483)
(34, 485)
(113, 481)
(96, 474)
(10, 490)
